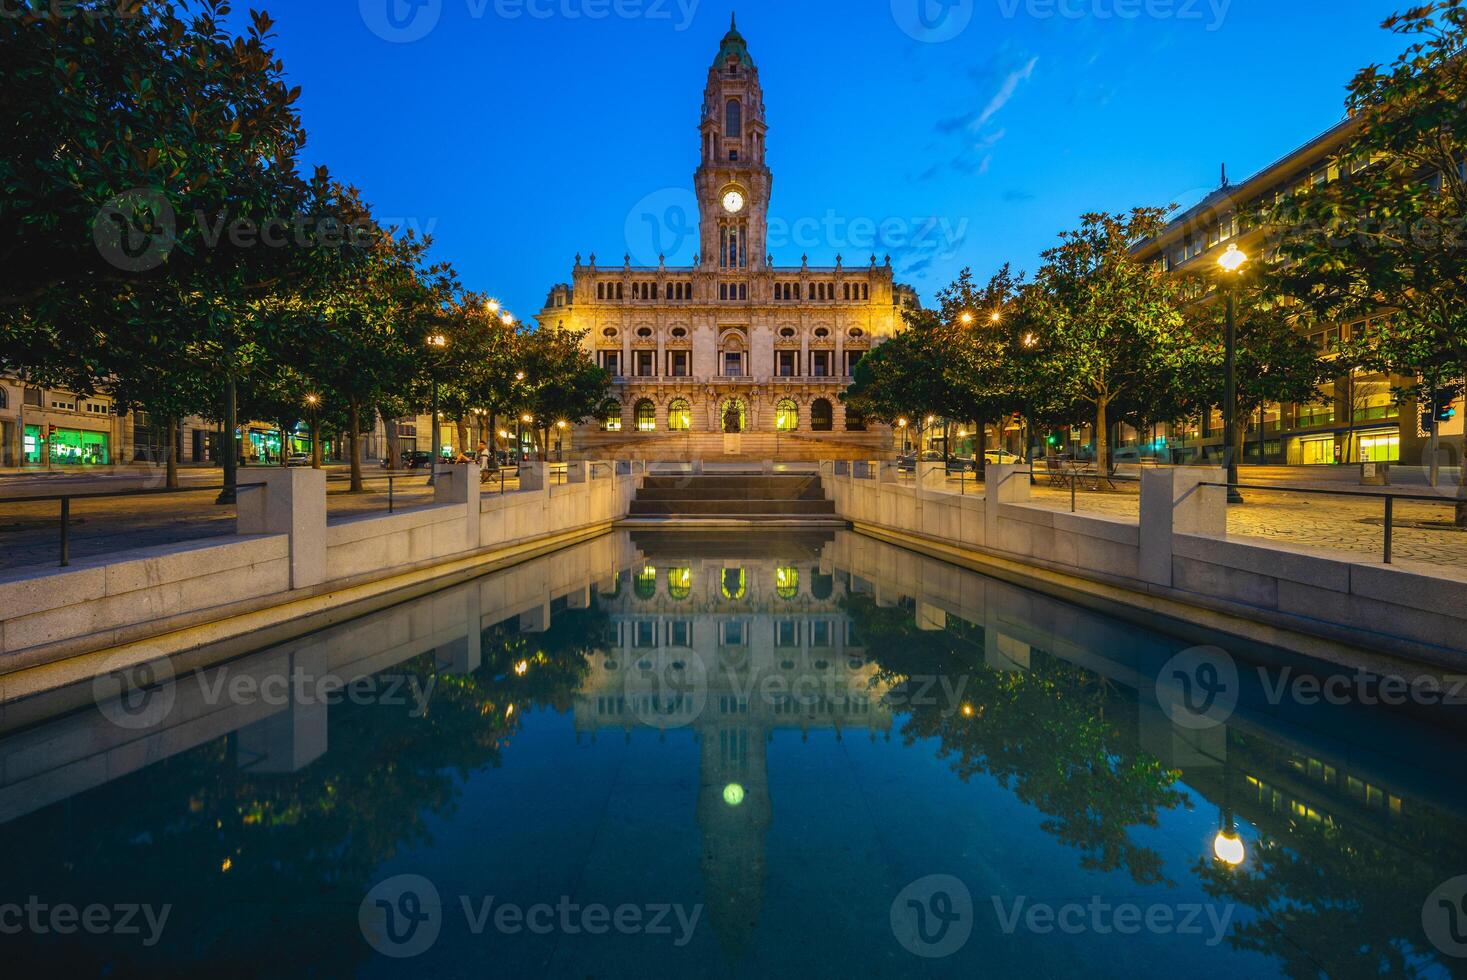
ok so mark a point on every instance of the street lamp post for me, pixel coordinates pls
(314, 403)
(1231, 262)
(562, 425)
(436, 343)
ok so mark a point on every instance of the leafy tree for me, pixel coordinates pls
(1109, 320)
(1390, 235)
(563, 382)
(125, 119)
(364, 311)
(1275, 362)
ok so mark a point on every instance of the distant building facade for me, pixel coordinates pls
(732, 354)
(1357, 418)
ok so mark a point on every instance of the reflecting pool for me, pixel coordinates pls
(669, 755)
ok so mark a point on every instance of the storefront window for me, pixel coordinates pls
(67, 447)
(1382, 447)
(32, 444)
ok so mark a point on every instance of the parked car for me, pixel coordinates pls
(298, 459)
(908, 461)
(1001, 457)
(413, 460)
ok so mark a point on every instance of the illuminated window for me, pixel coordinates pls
(787, 416)
(786, 582)
(680, 415)
(611, 417)
(680, 583)
(646, 585)
(646, 416)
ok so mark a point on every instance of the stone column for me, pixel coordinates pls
(1004, 484)
(1173, 502)
(459, 484)
(291, 502)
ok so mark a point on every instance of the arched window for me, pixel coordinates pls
(787, 582)
(4, 397)
(822, 415)
(679, 583)
(734, 124)
(646, 585)
(822, 587)
(680, 415)
(646, 416)
(786, 415)
(611, 416)
(734, 583)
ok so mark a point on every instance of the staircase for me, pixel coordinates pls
(726, 499)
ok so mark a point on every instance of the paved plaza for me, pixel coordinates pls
(30, 531)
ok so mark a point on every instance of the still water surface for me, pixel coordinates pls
(657, 755)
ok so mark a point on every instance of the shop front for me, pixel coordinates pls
(1378, 446)
(67, 447)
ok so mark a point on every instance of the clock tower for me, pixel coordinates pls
(733, 184)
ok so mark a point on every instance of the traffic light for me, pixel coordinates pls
(1444, 409)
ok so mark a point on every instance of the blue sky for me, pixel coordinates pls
(521, 132)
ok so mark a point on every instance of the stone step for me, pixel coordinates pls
(732, 508)
(811, 492)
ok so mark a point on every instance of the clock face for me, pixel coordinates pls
(733, 202)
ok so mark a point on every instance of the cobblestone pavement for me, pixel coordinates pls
(30, 532)
(1333, 522)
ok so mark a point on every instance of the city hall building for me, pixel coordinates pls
(732, 355)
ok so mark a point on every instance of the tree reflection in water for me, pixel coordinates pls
(1044, 734)
(222, 845)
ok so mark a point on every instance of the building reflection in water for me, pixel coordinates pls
(1332, 825)
(737, 648)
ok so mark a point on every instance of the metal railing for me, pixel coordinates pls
(65, 500)
(1388, 544)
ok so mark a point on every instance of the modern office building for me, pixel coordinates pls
(733, 354)
(1357, 418)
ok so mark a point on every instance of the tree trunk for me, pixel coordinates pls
(1240, 437)
(461, 425)
(284, 446)
(1102, 434)
(394, 442)
(493, 441)
(172, 481)
(356, 445)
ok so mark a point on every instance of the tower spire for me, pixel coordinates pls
(733, 21)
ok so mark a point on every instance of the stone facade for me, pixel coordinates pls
(733, 352)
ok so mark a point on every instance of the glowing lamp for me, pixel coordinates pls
(733, 794)
(1228, 848)
(1233, 259)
